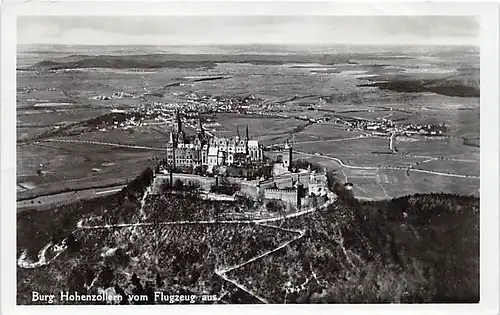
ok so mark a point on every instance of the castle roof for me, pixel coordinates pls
(253, 143)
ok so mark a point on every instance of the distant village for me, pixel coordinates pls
(385, 127)
(193, 105)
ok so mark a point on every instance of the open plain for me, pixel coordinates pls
(301, 98)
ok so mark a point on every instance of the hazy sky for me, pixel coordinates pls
(213, 30)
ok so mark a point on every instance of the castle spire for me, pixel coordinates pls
(247, 132)
(238, 131)
(179, 122)
(199, 129)
(171, 138)
(287, 145)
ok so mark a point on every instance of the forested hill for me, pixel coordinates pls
(152, 61)
(414, 249)
(419, 248)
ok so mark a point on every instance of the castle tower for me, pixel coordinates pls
(300, 187)
(172, 146)
(287, 157)
(171, 138)
(246, 142)
(179, 123)
(199, 128)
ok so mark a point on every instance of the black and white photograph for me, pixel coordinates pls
(247, 159)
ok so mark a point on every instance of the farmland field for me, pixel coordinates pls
(267, 130)
(369, 145)
(438, 147)
(67, 165)
(148, 136)
(467, 167)
(324, 132)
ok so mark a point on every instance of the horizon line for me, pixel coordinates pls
(260, 44)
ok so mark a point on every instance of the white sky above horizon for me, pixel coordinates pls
(236, 30)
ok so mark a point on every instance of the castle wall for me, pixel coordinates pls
(249, 188)
(205, 182)
(289, 196)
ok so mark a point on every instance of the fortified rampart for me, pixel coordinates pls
(277, 188)
(247, 187)
(286, 195)
(205, 182)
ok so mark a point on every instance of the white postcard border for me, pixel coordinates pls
(489, 218)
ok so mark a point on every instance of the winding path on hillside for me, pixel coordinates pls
(80, 224)
(222, 272)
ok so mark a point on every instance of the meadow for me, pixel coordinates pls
(77, 166)
(265, 129)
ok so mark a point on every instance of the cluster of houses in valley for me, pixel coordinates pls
(115, 95)
(385, 127)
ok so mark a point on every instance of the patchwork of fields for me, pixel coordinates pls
(294, 89)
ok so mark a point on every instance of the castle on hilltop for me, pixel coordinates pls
(204, 149)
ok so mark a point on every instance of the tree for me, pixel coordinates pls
(122, 293)
(106, 276)
(165, 186)
(274, 206)
(198, 170)
(178, 184)
(159, 281)
(331, 179)
(136, 282)
(344, 194)
(150, 293)
(88, 275)
(76, 281)
(314, 200)
(72, 242)
(193, 186)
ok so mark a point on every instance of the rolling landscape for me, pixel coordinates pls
(394, 129)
